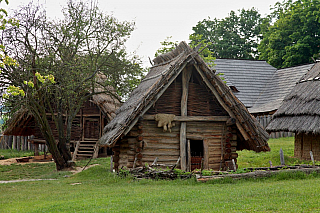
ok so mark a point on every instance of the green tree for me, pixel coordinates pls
(4, 21)
(235, 36)
(195, 40)
(59, 62)
(293, 38)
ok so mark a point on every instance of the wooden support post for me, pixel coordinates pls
(6, 142)
(282, 157)
(36, 149)
(14, 142)
(18, 143)
(222, 103)
(111, 163)
(186, 74)
(189, 157)
(312, 159)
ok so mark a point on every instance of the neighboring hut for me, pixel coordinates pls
(182, 109)
(86, 128)
(276, 89)
(300, 113)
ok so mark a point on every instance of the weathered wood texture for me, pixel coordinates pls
(304, 143)
(204, 119)
(192, 118)
(169, 102)
(200, 101)
(186, 74)
(165, 145)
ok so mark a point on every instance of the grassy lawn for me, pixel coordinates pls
(97, 190)
(252, 159)
(9, 153)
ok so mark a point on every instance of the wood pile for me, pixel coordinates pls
(259, 172)
(154, 172)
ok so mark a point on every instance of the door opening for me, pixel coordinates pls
(196, 154)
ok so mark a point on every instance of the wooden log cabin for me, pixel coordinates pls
(86, 128)
(182, 109)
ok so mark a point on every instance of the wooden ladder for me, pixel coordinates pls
(86, 149)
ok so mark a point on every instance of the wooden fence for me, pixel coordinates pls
(18, 143)
(265, 120)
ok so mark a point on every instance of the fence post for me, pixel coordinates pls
(2, 142)
(18, 143)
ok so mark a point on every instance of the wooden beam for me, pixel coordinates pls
(221, 102)
(186, 75)
(193, 118)
(157, 96)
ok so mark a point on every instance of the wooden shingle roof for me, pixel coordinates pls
(248, 76)
(280, 85)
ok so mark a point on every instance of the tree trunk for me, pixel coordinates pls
(60, 153)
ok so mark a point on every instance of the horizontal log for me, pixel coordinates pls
(160, 154)
(192, 118)
(162, 145)
(160, 134)
(164, 140)
(162, 159)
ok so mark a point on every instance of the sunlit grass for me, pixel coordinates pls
(252, 159)
(98, 190)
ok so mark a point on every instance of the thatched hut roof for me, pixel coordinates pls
(166, 68)
(19, 124)
(22, 122)
(300, 110)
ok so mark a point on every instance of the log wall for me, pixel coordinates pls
(146, 141)
(304, 143)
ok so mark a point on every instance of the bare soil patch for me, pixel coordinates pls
(32, 159)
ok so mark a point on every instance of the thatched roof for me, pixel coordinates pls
(166, 68)
(300, 110)
(19, 124)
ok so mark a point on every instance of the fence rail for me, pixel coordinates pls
(18, 143)
(264, 120)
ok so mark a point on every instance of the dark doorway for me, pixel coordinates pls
(196, 154)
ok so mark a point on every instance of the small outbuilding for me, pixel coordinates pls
(86, 127)
(182, 109)
(300, 113)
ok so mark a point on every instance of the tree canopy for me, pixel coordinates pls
(58, 63)
(235, 36)
(293, 38)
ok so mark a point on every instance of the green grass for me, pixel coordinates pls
(252, 159)
(102, 191)
(10, 153)
(98, 190)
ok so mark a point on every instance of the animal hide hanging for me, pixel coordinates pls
(165, 121)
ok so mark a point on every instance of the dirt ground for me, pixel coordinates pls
(40, 159)
(33, 159)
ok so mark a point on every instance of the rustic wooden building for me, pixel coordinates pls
(86, 128)
(182, 109)
(300, 113)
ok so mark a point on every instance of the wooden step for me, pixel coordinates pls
(85, 149)
(84, 155)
